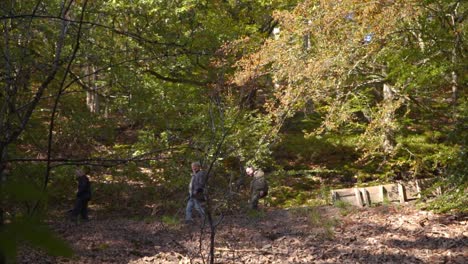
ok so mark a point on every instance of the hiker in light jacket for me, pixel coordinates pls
(196, 192)
(258, 186)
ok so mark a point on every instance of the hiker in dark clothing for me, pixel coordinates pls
(82, 196)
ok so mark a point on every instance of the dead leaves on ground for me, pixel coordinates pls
(386, 234)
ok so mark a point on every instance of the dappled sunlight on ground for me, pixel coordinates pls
(386, 234)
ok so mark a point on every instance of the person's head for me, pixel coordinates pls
(79, 172)
(196, 166)
(249, 170)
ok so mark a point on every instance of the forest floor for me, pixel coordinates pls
(383, 234)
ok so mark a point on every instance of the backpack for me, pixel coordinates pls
(264, 192)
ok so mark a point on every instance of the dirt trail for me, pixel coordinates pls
(386, 234)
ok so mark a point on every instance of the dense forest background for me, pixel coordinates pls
(320, 94)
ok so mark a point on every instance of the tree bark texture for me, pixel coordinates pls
(388, 143)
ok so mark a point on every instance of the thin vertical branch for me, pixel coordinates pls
(40, 90)
(208, 212)
(59, 94)
(27, 40)
(9, 78)
(4, 129)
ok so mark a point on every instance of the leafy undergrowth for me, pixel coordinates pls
(385, 234)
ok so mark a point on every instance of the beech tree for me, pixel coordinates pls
(367, 66)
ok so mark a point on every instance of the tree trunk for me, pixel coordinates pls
(455, 21)
(388, 143)
(454, 88)
(3, 160)
(106, 108)
(308, 37)
(3, 179)
(92, 97)
(454, 75)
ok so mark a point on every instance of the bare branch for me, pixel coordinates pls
(138, 158)
(120, 32)
(62, 89)
(174, 80)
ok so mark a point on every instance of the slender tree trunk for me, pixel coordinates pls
(10, 131)
(454, 75)
(454, 88)
(4, 112)
(418, 35)
(3, 160)
(106, 108)
(3, 179)
(455, 23)
(212, 243)
(388, 143)
(95, 92)
(92, 97)
(308, 37)
(59, 94)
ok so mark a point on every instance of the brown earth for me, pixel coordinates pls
(385, 234)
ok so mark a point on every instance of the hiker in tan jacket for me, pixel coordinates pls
(258, 186)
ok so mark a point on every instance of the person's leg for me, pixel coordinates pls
(199, 208)
(188, 210)
(254, 200)
(77, 209)
(84, 210)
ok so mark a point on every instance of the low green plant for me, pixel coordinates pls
(386, 201)
(102, 246)
(325, 194)
(34, 232)
(255, 214)
(454, 186)
(316, 219)
(345, 207)
(328, 226)
(170, 220)
(302, 211)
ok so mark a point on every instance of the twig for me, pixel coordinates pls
(257, 251)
